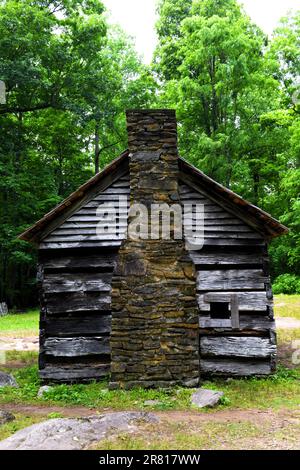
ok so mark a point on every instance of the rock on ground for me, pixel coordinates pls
(7, 380)
(44, 389)
(74, 434)
(152, 402)
(6, 417)
(202, 398)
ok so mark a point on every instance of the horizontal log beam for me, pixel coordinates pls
(236, 346)
(76, 262)
(60, 283)
(77, 302)
(247, 322)
(77, 325)
(76, 347)
(248, 301)
(226, 367)
(252, 279)
(74, 372)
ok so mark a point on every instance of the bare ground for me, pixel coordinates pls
(285, 323)
(272, 429)
(15, 343)
(252, 415)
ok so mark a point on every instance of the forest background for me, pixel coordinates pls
(69, 76)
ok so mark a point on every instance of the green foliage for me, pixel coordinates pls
(167, 57)
(237, 99)
(54, 415)
(285, 375)
(287, 284)
(225, 401)
(69, 77)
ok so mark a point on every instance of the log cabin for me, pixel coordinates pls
(154, 311)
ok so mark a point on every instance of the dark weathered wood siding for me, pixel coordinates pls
(80, 230)
(233, 261)
(75, 273)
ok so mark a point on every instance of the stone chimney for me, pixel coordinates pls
(154, 338)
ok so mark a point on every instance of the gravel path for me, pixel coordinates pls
(285, 323)
(19, 344)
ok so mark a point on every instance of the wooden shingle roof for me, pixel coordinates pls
(249, 213)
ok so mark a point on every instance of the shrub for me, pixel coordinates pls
(287, 284)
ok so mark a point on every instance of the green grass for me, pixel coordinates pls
(287, 306)
(20, 325)
(205, 435)
(280, 390)
(20, 422)
(20, 358)
(182, 437)
(288, 335)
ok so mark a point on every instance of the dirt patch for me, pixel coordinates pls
(285, 352)
(32, 410)
(255, 416)
(219, 430)
(171, 416)
(15, 343)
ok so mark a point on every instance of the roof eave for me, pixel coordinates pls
(269, 225)
(32, 234)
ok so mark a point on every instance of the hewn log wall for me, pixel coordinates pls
(234, 260)
(75, 274)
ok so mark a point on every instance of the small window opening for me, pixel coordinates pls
(220, 310)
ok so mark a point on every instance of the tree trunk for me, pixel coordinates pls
(97, 147)
(256, 181)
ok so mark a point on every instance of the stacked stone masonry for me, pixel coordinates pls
(154, 337)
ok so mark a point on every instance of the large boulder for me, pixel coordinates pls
(7, 380)
(203, 397)
(74, 434)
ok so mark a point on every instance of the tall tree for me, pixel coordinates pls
(68, 78)
(221, 60)
(237, 98)
(167, 55)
